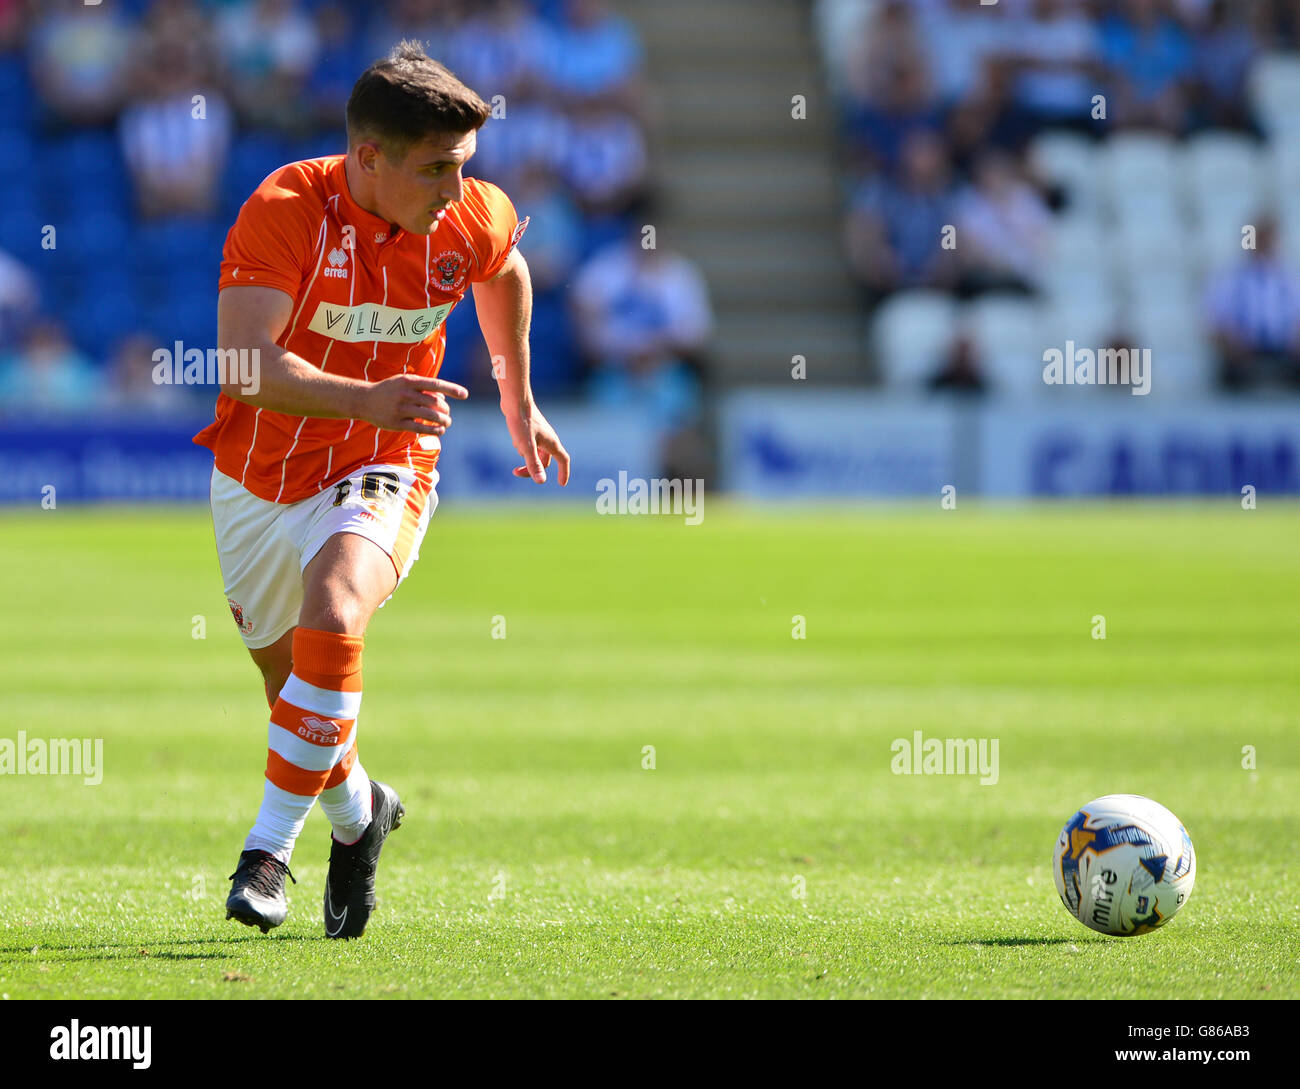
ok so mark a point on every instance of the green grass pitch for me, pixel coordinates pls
(540, 858)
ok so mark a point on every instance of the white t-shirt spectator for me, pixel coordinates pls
(605, 155)
(1256, 303)
(632, 302)
(167, 148)
(1009, 231)
(1055, 86)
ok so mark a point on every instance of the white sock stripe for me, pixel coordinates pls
(279, 821)
(304, 754)
(324, 701)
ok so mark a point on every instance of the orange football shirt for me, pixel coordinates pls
(370, 301)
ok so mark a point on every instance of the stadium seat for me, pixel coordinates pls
(839, 25)
(1073, 162)
(1138, 161)
(1080, 285)
(108, 313)
(1284, 166)
(1217, 241)
(1167, 286)
(1224, 168)
(1089, 322)
(15, 86)
(1079, 239)
(1148, 211)
(1009, 341)
(1144, 249)
(909, 335)
(20, 226)
(1274, 89)
(1181, 360)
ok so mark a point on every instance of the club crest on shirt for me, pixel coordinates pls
(448, 272)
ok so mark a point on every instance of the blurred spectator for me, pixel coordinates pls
(19, 299)
(644, 319)
(1003, 228)
(176, 133)
(79, 57)
(131, 383)
(1254, 316)
(47, 374)
(1150, 56)
(1053, 55)
(987, 119)
(596, 55)
(881, 126)
(500, 50)
(11, 24)
(430, 21)
(605, 159)
(960, 40)
(1225, 48)
(267, 50)
(960, 371)
(890, 45)
(895, 228)
(554, 238)
(532, 133)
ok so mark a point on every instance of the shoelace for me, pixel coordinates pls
(263, 876)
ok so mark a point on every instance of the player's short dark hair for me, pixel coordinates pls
(408, 97)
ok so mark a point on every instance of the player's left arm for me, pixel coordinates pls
(505, 307)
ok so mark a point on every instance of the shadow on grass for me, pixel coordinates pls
(146, 950)
(1023, 941)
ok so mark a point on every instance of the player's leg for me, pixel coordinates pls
(363, 538)
(342, 587)
(260, 567)
(275, 663)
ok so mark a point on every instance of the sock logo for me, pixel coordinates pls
(318, 729)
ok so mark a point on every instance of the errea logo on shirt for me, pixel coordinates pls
(337, 259)
(369, 321)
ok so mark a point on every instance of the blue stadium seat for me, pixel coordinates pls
(20, 225)
(252, 158)
(170, 246)
(314, 147)
(555, 361)
(15, 85)
(107, 314)
(19, 152)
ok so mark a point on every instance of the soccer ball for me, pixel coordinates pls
(1124, 865)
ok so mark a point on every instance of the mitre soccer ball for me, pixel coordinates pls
(1124, 865)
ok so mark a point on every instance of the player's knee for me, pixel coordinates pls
(338, 608)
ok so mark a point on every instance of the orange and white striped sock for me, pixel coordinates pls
(311, 744)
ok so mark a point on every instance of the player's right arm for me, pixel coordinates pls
(254, 318)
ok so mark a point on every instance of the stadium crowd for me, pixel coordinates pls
(1020, 172)
(133, 132)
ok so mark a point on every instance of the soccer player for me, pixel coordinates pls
(340, 272)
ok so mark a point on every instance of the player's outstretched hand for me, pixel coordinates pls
(411, 402)
(536, 442)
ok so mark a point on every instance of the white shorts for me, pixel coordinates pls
(264, 547)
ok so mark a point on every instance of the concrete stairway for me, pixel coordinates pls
(748, 191)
